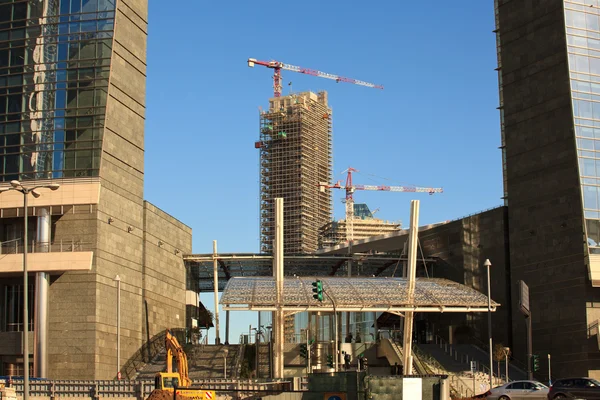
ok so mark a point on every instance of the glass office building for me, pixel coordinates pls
(54, 69)
(72, 111)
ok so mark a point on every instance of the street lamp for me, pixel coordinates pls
(16, 185)
(225, 352)
(487, 264)
(118, 280)
(506, 351)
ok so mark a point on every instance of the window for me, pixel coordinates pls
(517, 386)
(528, 386)
(593, 232)
(13, 308)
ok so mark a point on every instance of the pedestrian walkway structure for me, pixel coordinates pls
(360, 294)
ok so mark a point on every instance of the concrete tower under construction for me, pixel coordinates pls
(295, 155)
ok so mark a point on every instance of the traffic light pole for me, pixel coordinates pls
(335, 340)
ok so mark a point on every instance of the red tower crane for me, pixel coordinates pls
(277, 66)
(351, 188)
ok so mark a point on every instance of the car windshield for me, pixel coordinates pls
(595, 382)
(541, 385)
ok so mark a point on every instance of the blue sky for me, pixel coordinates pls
(434, 124)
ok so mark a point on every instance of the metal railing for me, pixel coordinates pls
(146, 353)
(593, 330)
(457, 384)
(514, 362)
(15, 246)
(139, 389)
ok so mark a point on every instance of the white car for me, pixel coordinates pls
(519, 390)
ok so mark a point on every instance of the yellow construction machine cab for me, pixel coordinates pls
(166, 380)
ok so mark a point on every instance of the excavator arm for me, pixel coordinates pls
(174, 349)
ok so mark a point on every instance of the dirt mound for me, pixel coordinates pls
(158, 394)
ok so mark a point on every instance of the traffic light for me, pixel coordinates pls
(303, 350)
(318, 290)
(330, 360)
(535, 360)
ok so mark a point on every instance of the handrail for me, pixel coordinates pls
(456, 382)
(15, 246)
(145, 354)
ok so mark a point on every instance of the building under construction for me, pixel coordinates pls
(364, 225)
(295, 155)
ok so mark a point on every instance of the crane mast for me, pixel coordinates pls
(277, 66)
(350, 188)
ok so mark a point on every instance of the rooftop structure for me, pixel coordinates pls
(364, 226)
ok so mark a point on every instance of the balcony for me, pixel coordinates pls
(58, 256)
(60, 246)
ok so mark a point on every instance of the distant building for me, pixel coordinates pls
(295, 156)
(364, 225)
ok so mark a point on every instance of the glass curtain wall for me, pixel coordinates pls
(583, 41)
(54, 69)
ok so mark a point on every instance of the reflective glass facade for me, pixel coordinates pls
(54, 68)
(583, 40)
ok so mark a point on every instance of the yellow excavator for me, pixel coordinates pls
(167, 382)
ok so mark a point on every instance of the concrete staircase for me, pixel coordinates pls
(456, 359)
(204, 362)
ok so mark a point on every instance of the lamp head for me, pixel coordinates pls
(487, 263)
(35, 194)
(15, 183)
(53, 186)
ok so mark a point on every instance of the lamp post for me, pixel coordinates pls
(549, 371)
(506, 351)
(487, 264)
(118, 280)
(16, 185)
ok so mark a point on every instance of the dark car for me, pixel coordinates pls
(575, 388)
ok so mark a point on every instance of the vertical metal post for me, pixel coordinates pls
(335, 341)
(308, 349)
(278, 273)
(487, 263)
(42, 284)
(529, 348)
(25, 303)
(227, 327)
(549, 372)
(411, 275)
(216, 287)
(506, 365)
(118, 280)
(349, 265)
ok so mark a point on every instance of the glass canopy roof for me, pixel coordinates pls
(354, 294)
(200, 266)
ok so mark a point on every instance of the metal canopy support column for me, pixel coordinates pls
(278, 323)
(411, 275)
(227, 327)
(216, 290)
(42, 284)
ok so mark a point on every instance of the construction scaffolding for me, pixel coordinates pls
(295, 155)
